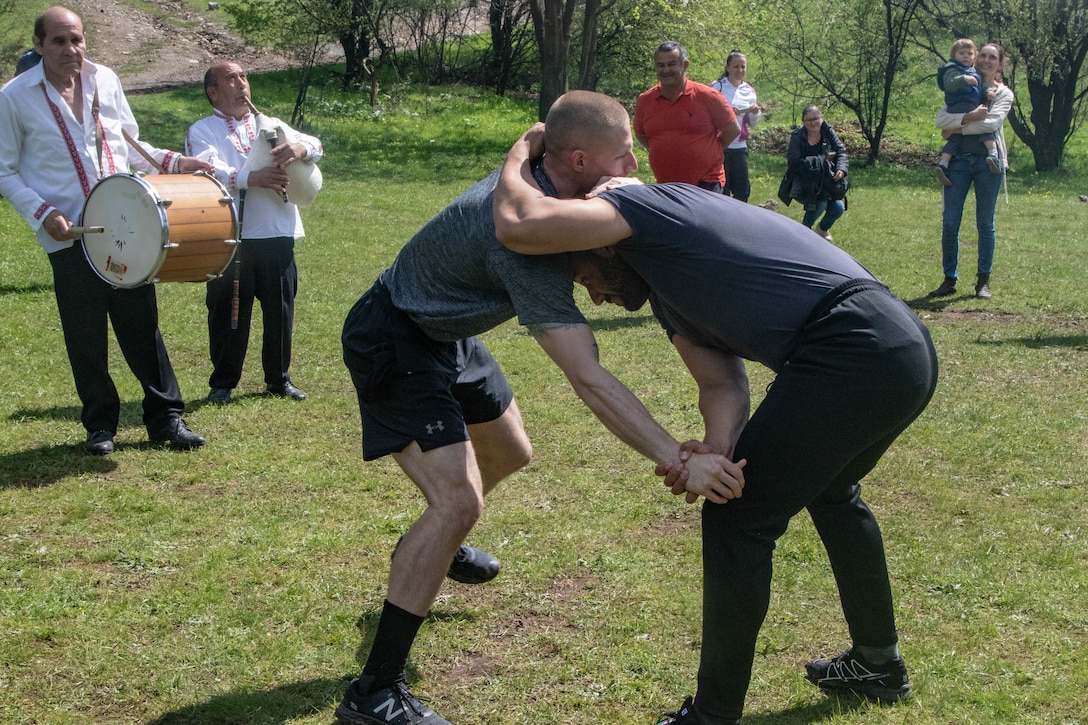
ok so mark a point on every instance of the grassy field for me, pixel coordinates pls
(240, 583)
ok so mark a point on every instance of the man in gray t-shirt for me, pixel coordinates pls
(432, 396)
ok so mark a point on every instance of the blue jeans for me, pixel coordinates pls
(962, 172)
(834, 210)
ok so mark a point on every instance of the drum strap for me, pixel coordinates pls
(100, 136)
(69, 141)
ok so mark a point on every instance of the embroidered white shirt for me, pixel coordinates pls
(49, 159)
(226, 142)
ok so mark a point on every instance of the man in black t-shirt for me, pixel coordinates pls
(855, 366)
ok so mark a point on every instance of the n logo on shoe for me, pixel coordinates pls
(391, 707)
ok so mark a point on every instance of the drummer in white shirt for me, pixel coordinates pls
(259, 177)
(62, 128)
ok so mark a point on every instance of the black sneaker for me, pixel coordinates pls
(887, 682)
(470, 565)
(393, 705)
(686, 715)
(473, 566)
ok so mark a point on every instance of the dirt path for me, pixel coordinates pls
(151, 53)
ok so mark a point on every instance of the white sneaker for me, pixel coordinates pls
(822, 232)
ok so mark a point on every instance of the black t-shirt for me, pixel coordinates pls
(726, 274)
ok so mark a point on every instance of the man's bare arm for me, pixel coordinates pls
(724, 398)
(529, 222)
(574, 350)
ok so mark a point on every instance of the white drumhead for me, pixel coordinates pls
(132, 246)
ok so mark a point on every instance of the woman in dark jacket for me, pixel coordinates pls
(815, 150)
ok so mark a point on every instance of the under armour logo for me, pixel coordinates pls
(432, 428)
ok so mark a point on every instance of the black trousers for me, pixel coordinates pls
(864, 370)
(737, 183)
(85, 302)
(266, 271)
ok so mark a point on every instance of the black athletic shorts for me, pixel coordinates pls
(414, 388)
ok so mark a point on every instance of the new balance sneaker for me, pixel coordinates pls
(393, 705)
(887, 682)
(686, 715)
(470, 565)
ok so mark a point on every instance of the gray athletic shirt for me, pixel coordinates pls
(725, 274)
(455, 279)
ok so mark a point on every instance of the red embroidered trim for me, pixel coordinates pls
(235, 138)
(105, 145)
(84, 183)
(41, 210)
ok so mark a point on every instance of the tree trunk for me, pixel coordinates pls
(551, 25)
(587, 63)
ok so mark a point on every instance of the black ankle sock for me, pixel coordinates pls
(397, 630)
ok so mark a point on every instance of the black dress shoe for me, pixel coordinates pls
(179, 435)
(219, 396)
(287, 390)
(100, 443)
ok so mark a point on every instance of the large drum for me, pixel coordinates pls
(160, 228)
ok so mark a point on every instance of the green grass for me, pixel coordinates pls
(240, 583)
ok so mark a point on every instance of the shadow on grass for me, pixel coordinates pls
(236, 398)
(270, 707)
(39, 467)
(6, 289)
(833, 704)
(1039, 342)
(937, 304)
(298, 699)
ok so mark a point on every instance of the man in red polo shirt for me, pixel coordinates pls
(685, 125)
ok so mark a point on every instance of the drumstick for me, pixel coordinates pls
(86, 230)
(135, 144)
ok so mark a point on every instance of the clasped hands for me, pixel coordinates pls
(702, 471)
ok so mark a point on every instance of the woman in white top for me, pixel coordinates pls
(742, 97)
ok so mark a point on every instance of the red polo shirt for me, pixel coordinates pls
(684, 134)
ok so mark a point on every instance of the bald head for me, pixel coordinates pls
(587, 137)
(580, 119)
(55, 15)
(227, 87)
(58, 38)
